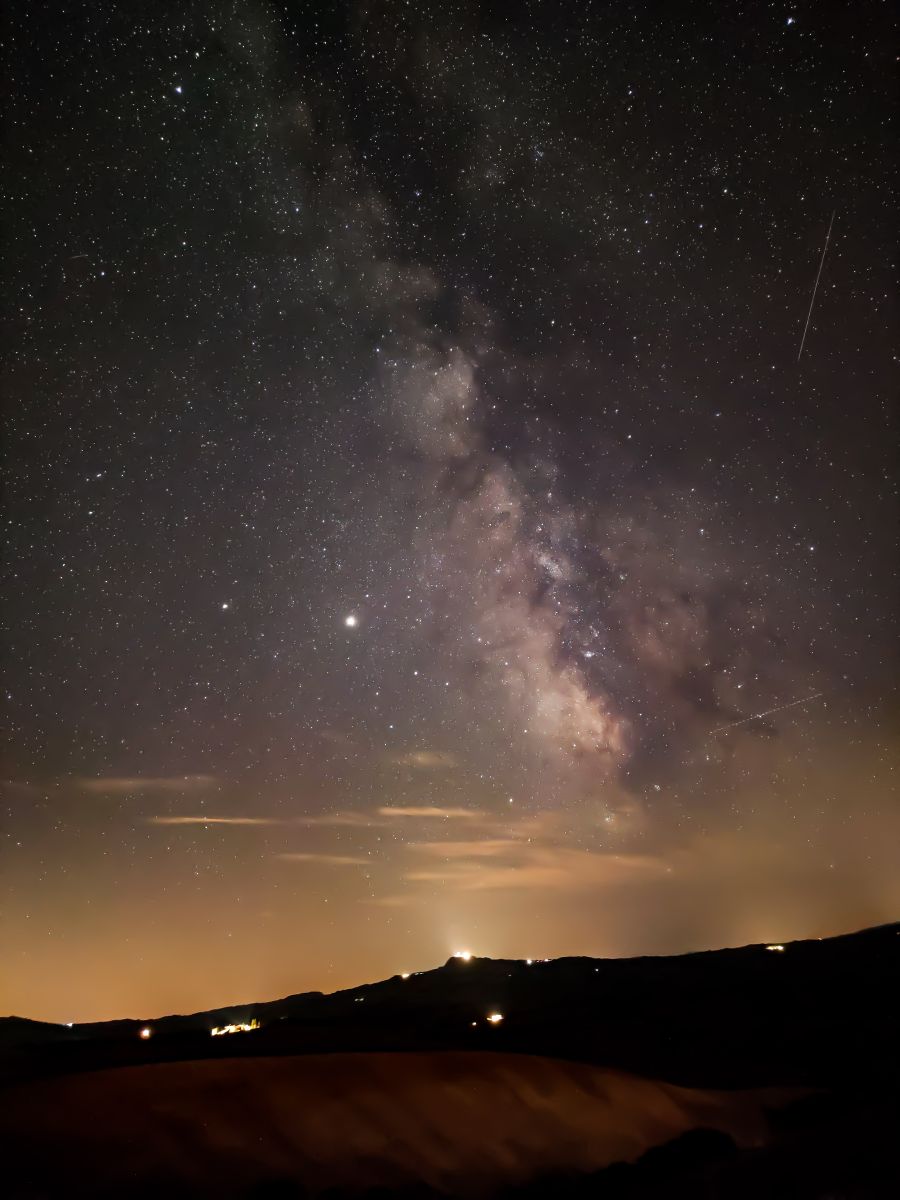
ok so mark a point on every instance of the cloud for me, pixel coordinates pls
(205, 820)
(359, 820)
(534, 851)
(427, 811)
(469, 867)
(488, 848)
(328, 860)
(22, 787)
(393, 901)
(119, 785)
(426, 760)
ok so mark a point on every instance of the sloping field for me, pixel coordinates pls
(463, 1123)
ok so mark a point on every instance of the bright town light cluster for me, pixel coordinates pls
(237, 1027)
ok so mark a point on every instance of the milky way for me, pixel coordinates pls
(420, 529)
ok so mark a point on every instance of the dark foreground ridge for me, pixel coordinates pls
(809, 1013)
(744, 1072)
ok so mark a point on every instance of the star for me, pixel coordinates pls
(323, 367)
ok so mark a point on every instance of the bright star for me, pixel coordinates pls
(351, 622)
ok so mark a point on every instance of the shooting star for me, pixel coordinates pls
(767, 713)
(816, 284)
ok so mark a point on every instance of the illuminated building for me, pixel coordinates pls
(237, 1027)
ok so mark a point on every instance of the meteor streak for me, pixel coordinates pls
(767, 713)
(816, 284)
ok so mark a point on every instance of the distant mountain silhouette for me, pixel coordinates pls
(808, 1014)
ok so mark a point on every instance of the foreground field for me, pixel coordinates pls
(460, 1123)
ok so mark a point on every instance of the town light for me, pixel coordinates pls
(237, 1027)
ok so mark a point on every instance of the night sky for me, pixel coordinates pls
(421, 534)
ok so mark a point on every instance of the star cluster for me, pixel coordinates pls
(420, 529)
